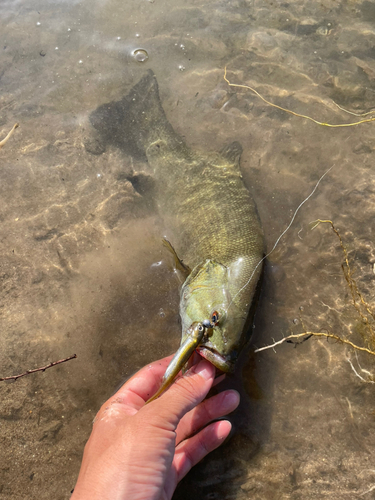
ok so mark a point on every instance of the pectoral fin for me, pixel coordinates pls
(180, 266)
(232, 153)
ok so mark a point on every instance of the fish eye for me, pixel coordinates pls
(214, 318)
(201, 327)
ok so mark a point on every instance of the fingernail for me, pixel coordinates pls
(231, 401)
(204, 370)
(223, 429)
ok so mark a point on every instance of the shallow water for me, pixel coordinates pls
(83, 270)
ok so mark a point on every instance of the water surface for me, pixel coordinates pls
(83, 269)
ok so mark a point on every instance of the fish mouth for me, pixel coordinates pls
(218, 360)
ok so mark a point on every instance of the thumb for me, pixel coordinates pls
(186, 393)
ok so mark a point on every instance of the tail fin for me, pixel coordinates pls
(135, 121)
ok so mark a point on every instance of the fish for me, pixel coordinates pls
(213, 220)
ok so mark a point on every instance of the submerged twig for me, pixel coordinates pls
(352, 112)
(357, 297)
(41, 369)
(366, 120)
(368, 380)
(357, 300)
(315, 334)
(2, 143)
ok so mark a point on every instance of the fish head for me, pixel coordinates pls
(206, 298)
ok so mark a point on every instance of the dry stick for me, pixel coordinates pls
(42, 369)
(293, 112)
(2, 143)
(315, 334)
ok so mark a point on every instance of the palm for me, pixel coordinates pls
(149, 448)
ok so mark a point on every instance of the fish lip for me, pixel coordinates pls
(221, 362)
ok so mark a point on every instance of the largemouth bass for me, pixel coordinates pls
(213, 219)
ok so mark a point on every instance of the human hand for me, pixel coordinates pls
(141, 452)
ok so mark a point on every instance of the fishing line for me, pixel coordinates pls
(281, 235)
